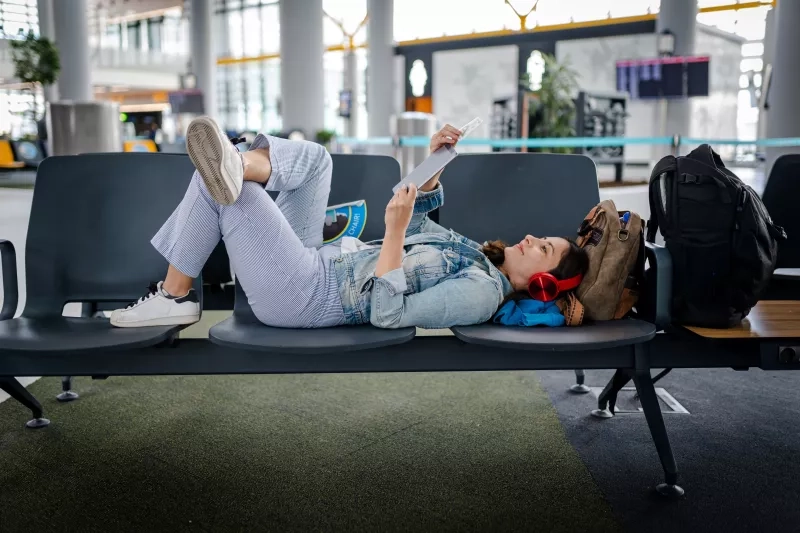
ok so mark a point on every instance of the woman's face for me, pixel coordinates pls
(531, 256)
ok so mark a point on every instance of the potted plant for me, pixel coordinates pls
(324, 137)
(36, 63)
(549, 109)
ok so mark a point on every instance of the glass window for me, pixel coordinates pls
(270, 29)
(712, 3)
(362, 124)
(112, 38)
(272, 91)
(753, 49)
(744, 81)
(349, 12)
(747, 23)
(334, 82)
(251, 32)
(174, 34)
(18, 17)
(753, 63)
(254, 88)
(235, 41)
(451, 17)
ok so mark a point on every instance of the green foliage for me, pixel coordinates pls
(552, 108)
(35, 60)
(325, 136)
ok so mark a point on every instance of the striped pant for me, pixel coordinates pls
(273, 245)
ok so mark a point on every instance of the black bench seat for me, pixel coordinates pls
(66, 334)
(250, 334)
(596, 336)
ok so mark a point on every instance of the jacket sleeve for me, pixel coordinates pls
(453, 302)
(424, 204)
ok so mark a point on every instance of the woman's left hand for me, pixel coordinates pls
(447, 135)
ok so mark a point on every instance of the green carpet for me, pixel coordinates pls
(412, 452)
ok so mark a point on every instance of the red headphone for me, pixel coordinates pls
(545, 287)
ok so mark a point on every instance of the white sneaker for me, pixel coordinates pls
(216, 159)
(158, 308)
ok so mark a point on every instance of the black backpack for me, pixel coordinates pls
(723, 243)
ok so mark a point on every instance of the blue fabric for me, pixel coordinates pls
(529, 312)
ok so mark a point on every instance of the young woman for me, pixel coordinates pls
(420, 274)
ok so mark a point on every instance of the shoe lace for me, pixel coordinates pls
(152, 290)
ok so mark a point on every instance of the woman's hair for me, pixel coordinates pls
(574, 262)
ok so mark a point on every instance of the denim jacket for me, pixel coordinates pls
(445, 280)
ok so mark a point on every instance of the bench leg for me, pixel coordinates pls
(655, 420)
(655, 379)
(579, 387)
(67, 394)
(608, 398)
(14, 388)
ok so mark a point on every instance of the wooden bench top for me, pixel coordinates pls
(769, 319)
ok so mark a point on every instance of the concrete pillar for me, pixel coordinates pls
(784, 107)
(350, 83)
(380, 66)
(302, 75)
(204, 66)
(47, 29)
(71, 22)
(769, 59)
(679, 17)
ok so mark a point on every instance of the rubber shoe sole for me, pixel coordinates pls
(160, 321)
(206, 149)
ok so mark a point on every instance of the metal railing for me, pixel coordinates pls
(676, 142)
(112, 58)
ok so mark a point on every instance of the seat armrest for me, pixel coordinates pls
(657, 301)
(8, 258)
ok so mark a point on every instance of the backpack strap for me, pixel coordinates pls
(585, 230)
(666, 164)
(629, 297)
(572, 309)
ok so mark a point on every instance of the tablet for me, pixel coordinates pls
(428, 168)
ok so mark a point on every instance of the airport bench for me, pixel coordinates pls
(528, 190)
(80, 251)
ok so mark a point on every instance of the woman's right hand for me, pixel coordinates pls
(400, 209)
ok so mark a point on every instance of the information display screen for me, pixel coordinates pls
(187, 101)
(666, 77)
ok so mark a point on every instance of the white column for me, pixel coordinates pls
(380, 66)
(71, 24)
(769, 59)
(350, 83)
(204, 66)
(47, 29)
(302, 74)
(679, 17)
(784, 108)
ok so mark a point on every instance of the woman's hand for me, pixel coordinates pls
(447, 135)
(399, 210)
